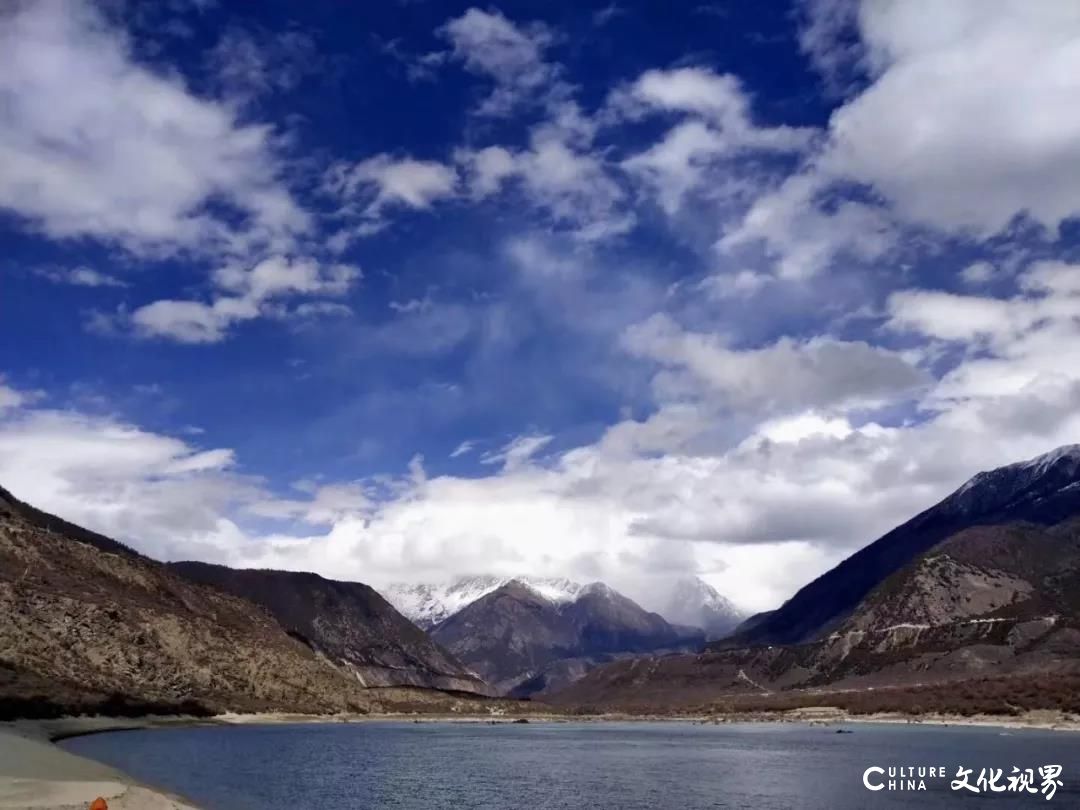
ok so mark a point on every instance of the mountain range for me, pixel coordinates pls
(347, 622)
(524, 640)
(985, 584)
(428, 604)
(528, 635)
(686, 600)
(91, 625)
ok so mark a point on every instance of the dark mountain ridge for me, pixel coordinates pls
(1043, 491)
(987, 601)
(522, 643)
(348, 622)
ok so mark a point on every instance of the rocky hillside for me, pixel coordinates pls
(348, 622)
(88, 625)
(988, 602)
(524, 642)
(1043, 491)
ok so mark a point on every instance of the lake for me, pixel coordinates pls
(552, 766)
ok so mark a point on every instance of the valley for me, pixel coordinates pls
(978, 596)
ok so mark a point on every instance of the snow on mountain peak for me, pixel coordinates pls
(1022, 472)
(693, 601)
(557, 590)
(688, 601)
(427, 604)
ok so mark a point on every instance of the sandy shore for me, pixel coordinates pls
(36, 774)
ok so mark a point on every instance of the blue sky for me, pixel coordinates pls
(410, 290)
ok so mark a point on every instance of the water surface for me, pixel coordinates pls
(558, 766)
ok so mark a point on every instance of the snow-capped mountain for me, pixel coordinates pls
(428, 604)
(530, 636)
(694, 602)
(1021, 485)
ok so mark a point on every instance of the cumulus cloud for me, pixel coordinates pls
(1025, 347)
(95, 143)
(759, 463)
(950, 132)
(946, 135)
(156, 492)
(784, 376)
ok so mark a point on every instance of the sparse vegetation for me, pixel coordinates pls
(992, 696)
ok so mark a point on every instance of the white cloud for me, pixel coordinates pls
(249, 64)
(512, 56)
(372, 189)
(155, 492)
(950, 132)
(696, 154)
(978, 273)
(80, 277)
(12, 397)
(559, 172)
(760, 465)
(324, 505)
(784, 376)
(716, 98)
(245, 293)
(945, 136)
(463, 448)
(94, 143)
(518, 452)
(390, 181)
(1020, 353)
(804, 235)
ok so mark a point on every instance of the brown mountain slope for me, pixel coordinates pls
(346, 621)
(90, 625)
(990, 601)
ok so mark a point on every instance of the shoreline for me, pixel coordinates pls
(36, 773)
(54, 730)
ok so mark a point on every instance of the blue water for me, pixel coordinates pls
(557, 766)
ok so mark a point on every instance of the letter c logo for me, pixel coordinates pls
(866, 778)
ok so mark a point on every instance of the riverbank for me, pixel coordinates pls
(35, 773)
